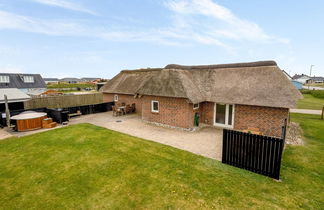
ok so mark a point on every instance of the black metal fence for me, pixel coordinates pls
(256, 153)
(61, 115)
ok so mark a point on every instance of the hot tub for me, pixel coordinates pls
(29, 120)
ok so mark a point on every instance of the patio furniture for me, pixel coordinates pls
(116, 111)
(122, 109)
(78, 113)
(133, 107)
(123, 104)
(128, 109)
(253, 131)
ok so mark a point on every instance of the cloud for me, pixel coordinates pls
(66, 5)
(193, 21)
(49, 27)
(216, 22)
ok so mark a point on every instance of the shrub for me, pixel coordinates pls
(315, 93)
(318, 93)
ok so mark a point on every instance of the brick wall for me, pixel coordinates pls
(268, 119)
(207, 113)
(172, 111)
(124, 98)
(178, 112)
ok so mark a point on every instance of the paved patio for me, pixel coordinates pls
(206, 141)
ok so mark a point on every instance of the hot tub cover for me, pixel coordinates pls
(28, 115)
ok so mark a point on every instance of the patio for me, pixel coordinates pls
(206, 141)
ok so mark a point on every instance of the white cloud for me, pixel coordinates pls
(66, 5)
(217, 22)
(194, 21)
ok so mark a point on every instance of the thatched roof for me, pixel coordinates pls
(257, 83)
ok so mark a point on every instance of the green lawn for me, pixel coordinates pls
(317, 85)
(310, 102)
(88, 167)
(66, 85)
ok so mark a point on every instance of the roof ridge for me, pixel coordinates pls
(141, 70)
(219, 66)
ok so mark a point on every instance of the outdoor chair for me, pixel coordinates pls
(116, 111)
(123, 104)
(133, 107)
(128, 109)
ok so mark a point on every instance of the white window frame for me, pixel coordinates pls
(193, 106)
(152, 107)
(226, 125)
(28, 79)
(116, 97)
(4, 79)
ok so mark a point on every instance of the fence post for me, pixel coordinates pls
(283, 130)
(322, 113)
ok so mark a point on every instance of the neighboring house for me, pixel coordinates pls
(51, 80)
(90, 79)
(15, 98)
(100, 85)
(316, 80)
(24, 82)
(237, 96)
(301, 78)
(70, 80)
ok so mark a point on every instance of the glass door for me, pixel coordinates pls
(224, 115)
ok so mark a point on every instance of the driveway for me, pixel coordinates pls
(206, 142)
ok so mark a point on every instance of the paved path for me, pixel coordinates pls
(306, 111)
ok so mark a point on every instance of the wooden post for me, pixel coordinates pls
(7, 110)
(322, 117)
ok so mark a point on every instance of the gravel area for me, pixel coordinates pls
(206, 141)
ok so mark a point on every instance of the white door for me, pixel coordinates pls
(224, 115)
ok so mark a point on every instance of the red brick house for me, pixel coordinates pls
(237, 96)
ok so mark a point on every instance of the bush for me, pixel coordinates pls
(318, 93)
(315, 93)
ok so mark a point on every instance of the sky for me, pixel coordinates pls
(99, 38)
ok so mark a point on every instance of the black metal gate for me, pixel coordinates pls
(256, 153)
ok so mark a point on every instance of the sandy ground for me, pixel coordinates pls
(206, 141)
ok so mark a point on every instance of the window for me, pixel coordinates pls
(4, 79)
(155, 106)
(28, 79)
(196, 106)
(116, 98)
(224, 115)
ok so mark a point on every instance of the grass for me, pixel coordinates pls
(310, 102)
(88, 167)
(66, 85)
(317, 85)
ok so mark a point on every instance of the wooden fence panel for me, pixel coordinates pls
(256, 153)
(63, 101)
